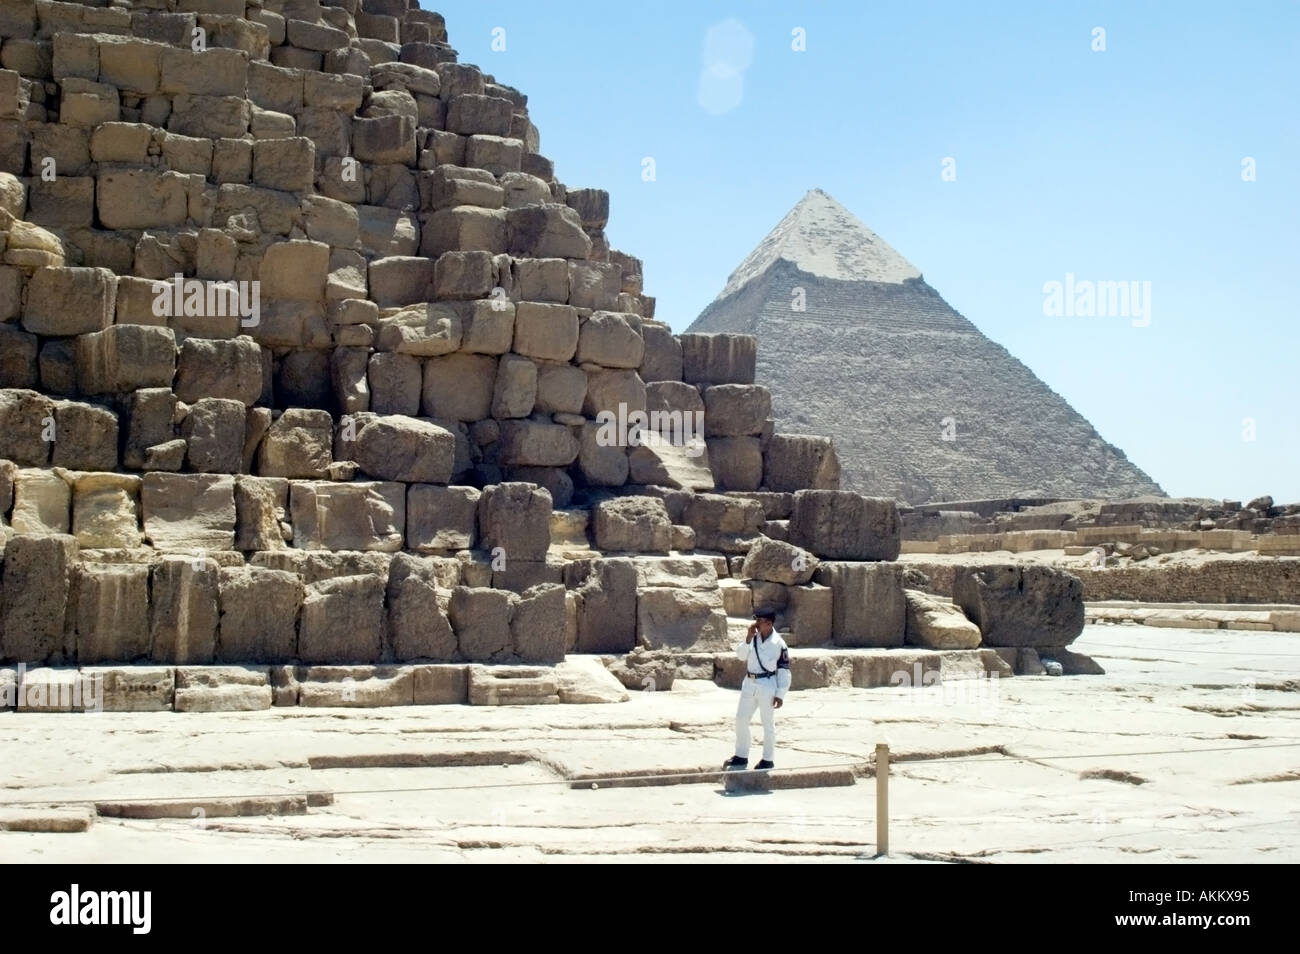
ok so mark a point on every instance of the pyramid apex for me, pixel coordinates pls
(823, 238)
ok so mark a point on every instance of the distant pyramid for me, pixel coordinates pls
(880, 362)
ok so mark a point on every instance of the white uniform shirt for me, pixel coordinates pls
(770, 652)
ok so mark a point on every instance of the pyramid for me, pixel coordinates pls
(921, 405)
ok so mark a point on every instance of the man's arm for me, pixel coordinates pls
(783, 672)
(742, 649)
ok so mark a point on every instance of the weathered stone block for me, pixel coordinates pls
(70, 301)
(459, 386)
(188, 511)
(347, 516)
(297, 445)
(36, 598)
(868, 604)
(259, 615)
(840, 525)
(112, 612)
(405, 449)
(342, 621)
(441, 518)
(637, 524)
(481, 619)
(1021, 605)
(718, 358)
(517, 518)
(183, 611)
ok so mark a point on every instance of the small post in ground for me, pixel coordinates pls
(882, 800)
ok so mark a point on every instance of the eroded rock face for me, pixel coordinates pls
(1021, 605)
(935, 624)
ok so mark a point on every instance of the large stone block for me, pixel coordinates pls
(544, 231)
(619, 392)
(561, 388)
(286, 164)
(395, 383)
(809, 614)
(778, 562)
(729, 524)
(607, 338)
(105, 513)
(18, 350)
(517, 518)
(347, 516)
(297, 445)
(537, 624)
(548, 332)
(603, 462)
(488, 326)
(151, 420)
(401, 280)
(441, 518)
(223, 689)
(418, 627)
(214, 436)
(481, 619)
(295, 270)
(219, 369)
(794, 462)
(718, 358)
(36, 598)
(841, 525)
(662, 359)
(42, 501)
(674, 618)
(1021, 605)
(183, 610)
(384, 139)
(606, 606)
(425, 330)
(736, 463)
(85, 436)
(736, 410)
(530, 443)
(515, 388)
(112, 612)
(634, 524)
(70, 301)
(343, 621)
(141, 199)
(133, 688)
(261, 503)
(868, 604)
(122, 358)
(459, 386)
(188, 511)
(936, 624)
(25, 421)
(259, 615)
(402, 448)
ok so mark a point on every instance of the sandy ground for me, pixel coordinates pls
(1026, 769)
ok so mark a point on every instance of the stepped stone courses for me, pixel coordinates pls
(305, 362)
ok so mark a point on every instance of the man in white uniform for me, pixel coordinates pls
(767, 661)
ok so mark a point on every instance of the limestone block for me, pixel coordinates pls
(603, 463)
(736, 462)
(295, 270)
(718, 358)
(70, 301)
(418, 627)
(729, 524)
(105, 511)
(606, 606)
(395, 383)
(425, 330)
(463, 228)
(840, 525)
(183, 610)
(537, 231)
(402, 448)
(327, 515)
(112, 612)
(141, 199)
(517, 518)
(342, 621)
(188, 511)
(537, 625)
(297, 445)
(123, 358)
(481, 618)
(42, 500)
(459, 386)
(618, 392)
(400, 280)
(1021, 605)
(151, 416)
(219, 369)
(85, 436)
(440, 518)
(637, 524)
(37, 595)
(530, 443)
(214, 435)
(869, 608)
(735, 410)
(132, 688)
(607, 338)
(800, 462)
(260, 505)
(778, 562)
(259, 615)
(669, 617)
(936, 624)
(222, 689)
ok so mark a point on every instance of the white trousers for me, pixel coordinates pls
(756, 694)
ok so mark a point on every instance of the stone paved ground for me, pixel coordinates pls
(1003, 793)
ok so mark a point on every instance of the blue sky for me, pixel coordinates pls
(1117, 165)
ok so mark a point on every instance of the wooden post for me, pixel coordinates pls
(882, 800)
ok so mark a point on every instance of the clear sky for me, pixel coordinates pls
(1117, 165)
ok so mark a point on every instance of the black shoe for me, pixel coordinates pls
(735, 762)
(765, 764)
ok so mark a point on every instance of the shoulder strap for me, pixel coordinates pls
(759, 656)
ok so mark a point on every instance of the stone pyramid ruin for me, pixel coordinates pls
(921, 405)
(317, 386)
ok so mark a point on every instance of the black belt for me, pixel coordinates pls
(766, 675)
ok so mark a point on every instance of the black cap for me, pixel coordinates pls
(767, 614)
